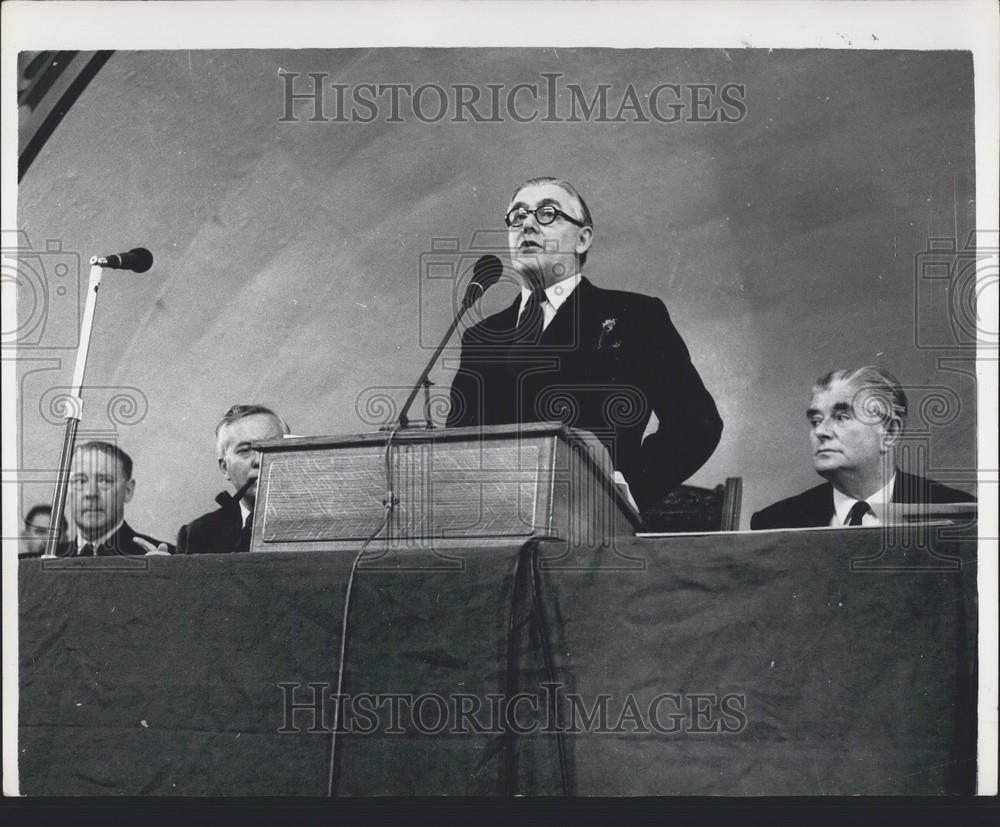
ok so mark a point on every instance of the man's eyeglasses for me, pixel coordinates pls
(544, 215)
(103, 481)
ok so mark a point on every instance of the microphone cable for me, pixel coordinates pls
(389, 502)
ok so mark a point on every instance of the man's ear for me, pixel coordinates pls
(584, 239)
(892, 430)
(129, 490)
(223, 468)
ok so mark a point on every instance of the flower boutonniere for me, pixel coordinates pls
(607, 326)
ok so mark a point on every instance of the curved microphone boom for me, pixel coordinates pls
(485, 273)
(138, 260)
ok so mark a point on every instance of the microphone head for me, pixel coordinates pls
(142, 259)
(485, 274)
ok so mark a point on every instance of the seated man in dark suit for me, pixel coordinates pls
(856, 419)
(601, 360)
(36, 531)
(100, 483)
(229, 528)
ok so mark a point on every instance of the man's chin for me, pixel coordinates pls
(826, 466)
(527, 265)
(91, 531)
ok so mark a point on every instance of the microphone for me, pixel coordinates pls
(138, 260)
(485, 273)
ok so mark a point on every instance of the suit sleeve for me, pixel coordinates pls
(465, 391)
(690, 426)
(182, 539)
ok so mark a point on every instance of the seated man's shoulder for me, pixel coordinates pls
(204, 534)
(209, 519)
(804, 510)
(911, 488)
(625, 299)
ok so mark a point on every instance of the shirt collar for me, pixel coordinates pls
(555, 294)
(100, 541)
(244, 512)
(878, 501)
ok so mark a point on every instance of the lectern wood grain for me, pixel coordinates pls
(493, 484)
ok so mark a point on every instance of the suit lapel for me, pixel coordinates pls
(501, 327)
(232, 527)
(909, 489)
(118, 543)
(824, 503)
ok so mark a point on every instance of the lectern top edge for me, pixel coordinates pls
(532, 429)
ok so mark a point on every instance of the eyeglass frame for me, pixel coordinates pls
(556, 214)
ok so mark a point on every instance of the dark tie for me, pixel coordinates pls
(858, 510)
(529, 326)
(245, 534)
(86, 550)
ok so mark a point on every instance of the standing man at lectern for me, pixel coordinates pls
(229, 528)
(601, 360)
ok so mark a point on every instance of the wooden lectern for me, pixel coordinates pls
(453, 488)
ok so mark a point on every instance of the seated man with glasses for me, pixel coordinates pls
(100, 483)
(601, 360)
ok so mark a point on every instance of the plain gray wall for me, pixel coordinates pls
(289, 256)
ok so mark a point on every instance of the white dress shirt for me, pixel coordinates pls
(878, 503)
(81, 541)
(555, 295)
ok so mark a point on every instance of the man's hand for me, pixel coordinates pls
(150, 549)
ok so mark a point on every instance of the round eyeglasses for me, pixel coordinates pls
(544, 215)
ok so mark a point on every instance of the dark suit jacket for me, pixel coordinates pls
(122, 542)
(815, 507)
(606, 362)
(217, 532)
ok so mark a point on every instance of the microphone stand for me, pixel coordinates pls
(486, 272)
(424, 382)
(74, 408)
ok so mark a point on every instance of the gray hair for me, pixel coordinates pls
(111, 450)
(880, 394)
(238, 412)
